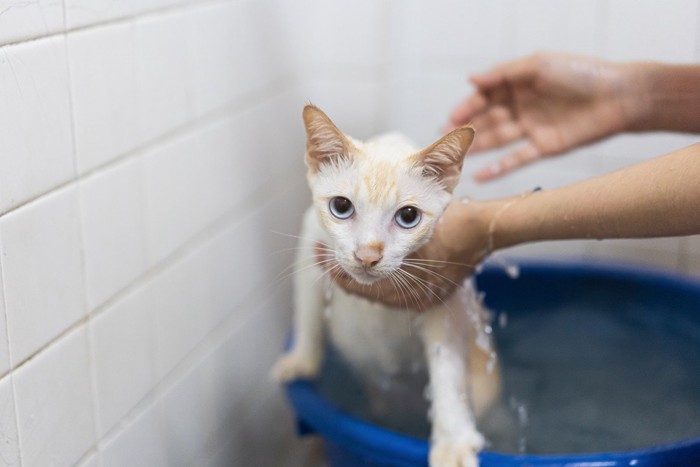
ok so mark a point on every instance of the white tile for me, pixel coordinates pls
(188, 415)
(569, 249)
(194, 180)
(180, 299)
(9, 442)
(114, 230)
(247, 399)
(54, 403)
(163, 74)
(103, 82)
(649, 30)
(35, 120)
(454, 29)
(224, 65)
(356, 29)
(542, 23)
(355, 105)
(692, 255)
(42, 269)
(92, 459)
(4, 347)
(123, 341)
(139, 443)
(659, 252)
(175, 182)
(20, 20)
(86, 12)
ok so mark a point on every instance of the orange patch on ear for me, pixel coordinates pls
(324, 141)
(443, 159)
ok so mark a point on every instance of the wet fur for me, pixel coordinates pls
(380, 176)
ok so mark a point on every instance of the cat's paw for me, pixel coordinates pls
(291, 366)
(462, 453)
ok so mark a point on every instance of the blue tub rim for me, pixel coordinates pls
(320, 416)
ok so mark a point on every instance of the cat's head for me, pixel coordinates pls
(379, 201)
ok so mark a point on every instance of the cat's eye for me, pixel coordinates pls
(408, 217)
(341, 207)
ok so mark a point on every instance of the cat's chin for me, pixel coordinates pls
(365, 277)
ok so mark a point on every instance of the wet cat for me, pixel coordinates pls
(374, 203)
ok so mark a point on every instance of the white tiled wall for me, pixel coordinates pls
(150, 174)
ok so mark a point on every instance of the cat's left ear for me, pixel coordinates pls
(443, 159)
(324, 141)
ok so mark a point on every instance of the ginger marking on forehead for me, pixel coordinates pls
(380, 182)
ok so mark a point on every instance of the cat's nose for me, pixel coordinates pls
(369, 255)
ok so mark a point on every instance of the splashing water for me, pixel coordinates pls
(521, 414)
(511, 269)
(502, 319)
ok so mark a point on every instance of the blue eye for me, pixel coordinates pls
(341, 207)
(408, 217)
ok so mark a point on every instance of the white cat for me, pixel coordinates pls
(374, 203)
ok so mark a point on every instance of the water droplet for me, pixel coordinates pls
(465, 200)
(522, 415)
(634, 462)
(431, 414)
(491, 363)
(437, 350)
(327, 312)
(488, 329)
(328, 294)
(428, 392)
(502, 319)
(513, 271)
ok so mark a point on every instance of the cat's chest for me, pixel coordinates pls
(373, 337)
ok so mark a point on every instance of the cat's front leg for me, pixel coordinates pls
(455, 440)
(303, 359)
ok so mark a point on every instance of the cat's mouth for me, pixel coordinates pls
(364, 275)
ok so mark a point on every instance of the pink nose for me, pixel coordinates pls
(369, 255)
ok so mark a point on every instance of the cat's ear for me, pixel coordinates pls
(443, 159)
(324, 141)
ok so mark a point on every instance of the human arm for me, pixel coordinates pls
(554, 102)
(656, 198)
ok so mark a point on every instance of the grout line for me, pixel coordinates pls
(230, 219)
(152, 13)
(214, 339)
(254, 97)
(9, 373)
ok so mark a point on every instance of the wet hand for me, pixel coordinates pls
(551, 102)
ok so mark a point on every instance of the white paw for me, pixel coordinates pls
(455, 453)
(291, 366)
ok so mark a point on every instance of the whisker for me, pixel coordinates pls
(430, 271)
(437, 261)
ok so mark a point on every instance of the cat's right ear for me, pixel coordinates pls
(324, 141)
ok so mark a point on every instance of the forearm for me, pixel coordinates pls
(657, 198)
(667, 97)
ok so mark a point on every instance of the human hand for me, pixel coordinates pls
(554, 102)
(459, 243)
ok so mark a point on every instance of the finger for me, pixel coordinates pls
(504, 134)
(491, 119)
(468, 109)
(515, 70)
(523, 156)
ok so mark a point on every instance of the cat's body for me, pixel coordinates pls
(387, 175)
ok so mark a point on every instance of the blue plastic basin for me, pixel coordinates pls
(350, 442)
